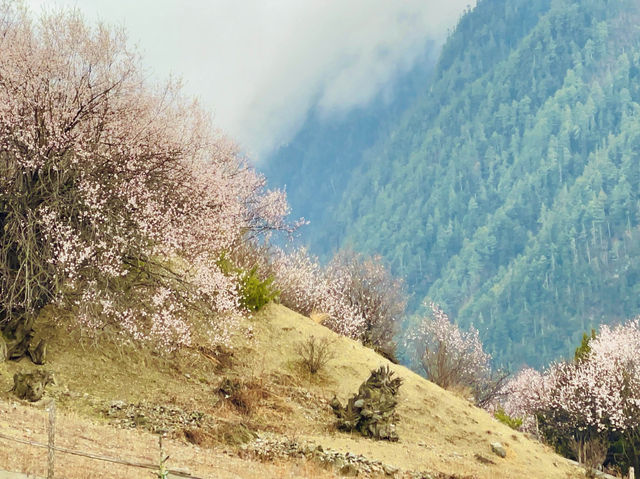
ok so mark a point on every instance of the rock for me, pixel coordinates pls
(31, 386)
(17, 333)
(38, 354)
(498, 449)
(349, 470)
(339, 463)
(389, 470)
(118, 404)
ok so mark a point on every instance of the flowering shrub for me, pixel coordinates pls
(115, 197)
(524, 395)
(299, 278)
(451, 358)
(363, 300)
(359, 296)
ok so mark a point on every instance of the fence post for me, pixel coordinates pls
(52, 439)
(632, 473)
(163, 473)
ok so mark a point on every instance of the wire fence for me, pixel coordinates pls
(160, 468)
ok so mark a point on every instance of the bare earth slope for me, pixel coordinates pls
(112, 398)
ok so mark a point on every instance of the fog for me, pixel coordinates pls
(260, 66)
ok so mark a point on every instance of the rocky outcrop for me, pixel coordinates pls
(31, 386)
(274, 448)
(371, 411)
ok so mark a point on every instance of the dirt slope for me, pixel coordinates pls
(102, 384)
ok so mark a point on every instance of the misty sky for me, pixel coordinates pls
(260, 65)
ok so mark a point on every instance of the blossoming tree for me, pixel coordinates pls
(115, 197)
(454, 359)
(591, 400)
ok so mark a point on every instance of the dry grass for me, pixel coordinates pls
(439, 431)
(76, 432)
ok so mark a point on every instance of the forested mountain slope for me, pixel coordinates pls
(316, 165)
(508, 191)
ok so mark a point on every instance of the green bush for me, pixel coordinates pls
(256, 292)
(504, 418)
(584, 349)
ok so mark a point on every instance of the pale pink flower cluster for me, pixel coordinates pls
(524, 395)
(600, 392)
(299, 278)
(346, 312)
(129, 183)
(358, 296)
(307, 287)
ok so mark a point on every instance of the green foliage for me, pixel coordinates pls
(504, 418)
(226, 265)
(624, 449)
(315, 166)
(254, 291)
(584, 349)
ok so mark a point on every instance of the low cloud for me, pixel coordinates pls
(261, 65)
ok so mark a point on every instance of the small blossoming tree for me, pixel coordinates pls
(115, 197)
(358, 295)
(299, 277)
(455, 359)
(363, 300)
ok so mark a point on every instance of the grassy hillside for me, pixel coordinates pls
(112, 398)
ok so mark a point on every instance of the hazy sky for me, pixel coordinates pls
(260, 65)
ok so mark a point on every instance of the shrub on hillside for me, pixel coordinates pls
(364, 301)
(359, 296)
(504, 418)
(455, 359)
(315, 353)
(299, 278)
(254, 288)
(372, 411)
(254, 291)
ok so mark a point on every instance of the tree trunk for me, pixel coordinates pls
(17, 333)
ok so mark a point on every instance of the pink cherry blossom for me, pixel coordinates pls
(117, 198)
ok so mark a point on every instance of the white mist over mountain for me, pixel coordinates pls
(261, 65)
